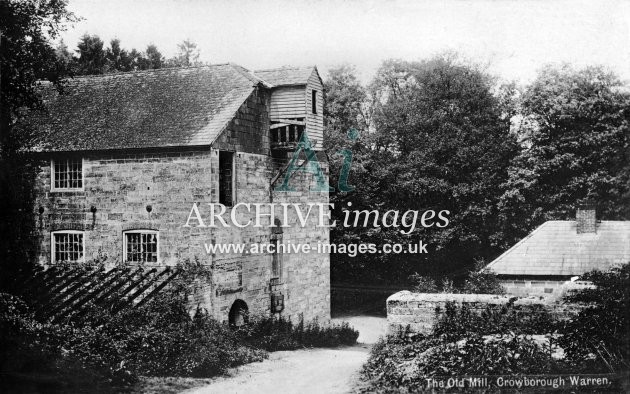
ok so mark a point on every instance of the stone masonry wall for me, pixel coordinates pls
(121, 185)
(418, 310)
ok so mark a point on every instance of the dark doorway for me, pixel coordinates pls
(238, 313)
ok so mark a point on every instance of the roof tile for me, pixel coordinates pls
(555, 248)
(153, 108)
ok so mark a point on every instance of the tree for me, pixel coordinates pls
(26, 56)
(118, 59)
(92, 57)
(346, 103)
(575, 150)
(187, 55)
(153, 58)
(441, 142)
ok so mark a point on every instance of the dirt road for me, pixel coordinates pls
(304, 371)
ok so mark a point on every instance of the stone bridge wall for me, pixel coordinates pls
(418, 310)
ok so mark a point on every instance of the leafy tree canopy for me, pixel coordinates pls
(575, 131)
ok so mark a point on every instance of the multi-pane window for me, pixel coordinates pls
(67, 174)
(226, 178)
(141, 246)
(67, 246)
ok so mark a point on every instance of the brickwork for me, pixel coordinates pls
(586, 218)
(550, 289)
(418, 310)
(121, 185)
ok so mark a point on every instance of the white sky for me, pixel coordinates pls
(514, 37)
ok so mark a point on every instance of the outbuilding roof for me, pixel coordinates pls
(556, 249)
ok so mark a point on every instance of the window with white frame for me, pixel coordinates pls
(67, 246)
(67, 174)
(141, 246)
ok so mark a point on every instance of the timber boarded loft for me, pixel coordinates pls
(124, 157)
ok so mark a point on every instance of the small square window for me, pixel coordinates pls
(141, 246)
(67, 174)
(67, 246)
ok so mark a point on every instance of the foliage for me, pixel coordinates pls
(187, 55)
(598, 338)
(438, 139)
(574, 150)
(477, 281)
(279, 334)
(158, 338)
(507, 355)
(457, 322)
(423, 284)
(26, 56)
(92, 57)
(464, 343)
(482, 280)
(35, 356)
(500, 340)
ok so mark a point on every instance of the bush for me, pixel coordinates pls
(598, 339)
(478, 281)
(37, 357)
(462, 342)
(457, 322)
(499, 341)
(280, 334)
(160, 338)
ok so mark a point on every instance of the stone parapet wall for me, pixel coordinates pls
(419, 311)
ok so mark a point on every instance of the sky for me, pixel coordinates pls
(513, 38)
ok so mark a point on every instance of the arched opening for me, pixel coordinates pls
(238, 313)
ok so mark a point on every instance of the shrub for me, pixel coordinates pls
(478, 281)
(598, 338)
(482, 282)
(478, 355)
(280, 334)
(463, 342)
(36, 357)
(162, 339)
(457, 322)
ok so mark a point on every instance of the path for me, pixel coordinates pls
(304, 371)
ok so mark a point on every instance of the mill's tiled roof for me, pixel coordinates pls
(286, 75)
(153, 108)
(555, 248)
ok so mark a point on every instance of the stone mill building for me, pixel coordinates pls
(125, 156)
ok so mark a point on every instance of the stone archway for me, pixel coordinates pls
(238, 313)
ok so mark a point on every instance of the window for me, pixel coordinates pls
(226, 178)
(314, 101)
(67, 246)
(141, 246)
(67, 174)
(276, 257)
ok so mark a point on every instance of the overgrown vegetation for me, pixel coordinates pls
(598, 339)
(478, 281)
(281, 334)
(507, 341)
(105, 352)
